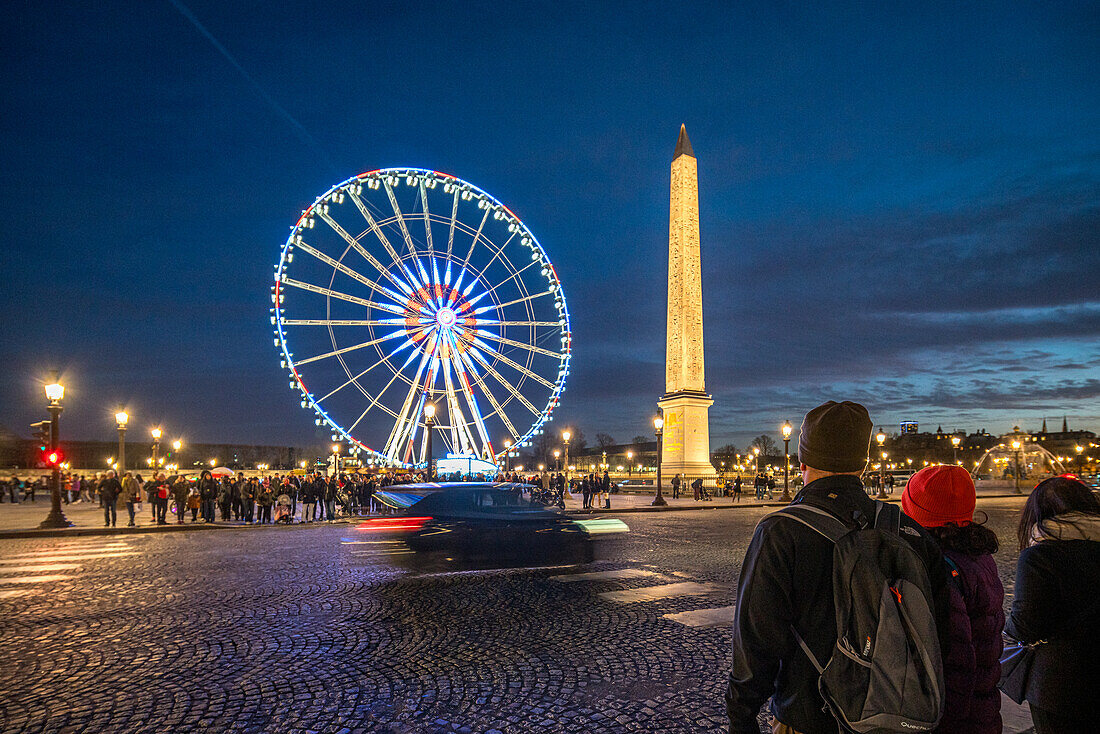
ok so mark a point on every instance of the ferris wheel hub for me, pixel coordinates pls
(446, 317)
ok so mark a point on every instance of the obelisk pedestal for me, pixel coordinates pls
(685, 404)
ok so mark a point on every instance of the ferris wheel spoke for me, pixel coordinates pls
(326, 292)
(358, 247)
(374, 226)
(451, 232)
(403, 418)
(471, 399)
(427, 218)
(492, 322)
(507, 385)
(473, 242)
(375, 400)
(393, 353)
(345, 350)
(514, 275)
(347, 322)
(484, 334)
(488, 394)
(400, 218)
(515, 365)
(353, 274)
(525, 299)
(459, 425)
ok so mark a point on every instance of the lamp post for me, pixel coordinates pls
(1079, 449)
(121, 419)
(658, 428)
(335, 459)
(1016, 472)
(157, 433)
(508, 454)
(429, 425)
(756, 460)
(630, 463)
(565, 436)
(955, 441)
(55, 391)
(786, 429)
(557, 459)
(881, 438)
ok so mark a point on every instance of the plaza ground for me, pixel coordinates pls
(318, 629)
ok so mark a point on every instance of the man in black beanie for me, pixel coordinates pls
(786, 581)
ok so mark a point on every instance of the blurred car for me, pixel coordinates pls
(488, 521)
(629, 484)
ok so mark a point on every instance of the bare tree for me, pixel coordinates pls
(604, 441)
(766, 445)
(642, 439)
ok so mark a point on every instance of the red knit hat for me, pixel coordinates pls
(937, 495)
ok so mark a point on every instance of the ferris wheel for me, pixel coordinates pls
(404, 288)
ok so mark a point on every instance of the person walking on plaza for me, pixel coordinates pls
(1056, 606)
(785, 623)
(941, 499)
(586, 493)
(131, 493)
(109, 490)
(737, 488)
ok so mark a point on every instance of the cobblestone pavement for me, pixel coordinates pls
(315, 630)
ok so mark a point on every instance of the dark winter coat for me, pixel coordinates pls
(109, 490)
(786, 580)
(1056, 600)
(972, 665)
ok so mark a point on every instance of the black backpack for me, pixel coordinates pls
(885, 673)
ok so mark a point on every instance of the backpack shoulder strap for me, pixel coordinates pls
(815, 518)
(887, 517)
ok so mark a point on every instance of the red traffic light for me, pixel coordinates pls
(52, 458)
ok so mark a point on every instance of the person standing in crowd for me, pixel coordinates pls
(208, 495)
(586, 493)
(330, 498)
(248, 498)
(676, 487)
(152, 496)
(265, 501)
(109, 490)
(131, 493)
(162, 491)
(942, 499)
(737, 488)
(606, 486)
(194, 502)
(238, 493)
(225, 498)
(180, 489)
(786, 585)
(1057, 606)
(306, 493)
(13, 489)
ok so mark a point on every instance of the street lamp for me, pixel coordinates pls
(881, 438)
(121, 419)
(213, 463)
(565, 436)
(658, 428)
(786, 429)
(157, 433)
(335, 459)
(557, 458)
(756, 460)
(630, 463)
(955, 441)
(429, 425)
(507, 454)
(1016, 473)
(55, 392)
(1079, 449)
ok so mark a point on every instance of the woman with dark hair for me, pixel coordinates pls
(1057, 604)
(942, 499)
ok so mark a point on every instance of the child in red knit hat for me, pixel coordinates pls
(942, 498)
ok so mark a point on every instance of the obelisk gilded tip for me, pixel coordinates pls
(683, 145)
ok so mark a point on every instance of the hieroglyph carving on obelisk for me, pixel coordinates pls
(685, 404)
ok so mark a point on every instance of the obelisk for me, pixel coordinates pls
(685, 404)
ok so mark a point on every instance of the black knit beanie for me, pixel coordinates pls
(835, 437)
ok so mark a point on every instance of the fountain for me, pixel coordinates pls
(1016, 452)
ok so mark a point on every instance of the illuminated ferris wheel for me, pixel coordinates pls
(403, 288)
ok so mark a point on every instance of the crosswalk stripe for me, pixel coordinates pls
(716, 617)
(621, 573)
(65, 558)
(35, 579)
(664, 591)
(39, 567)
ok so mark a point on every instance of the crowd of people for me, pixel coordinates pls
(819, 637)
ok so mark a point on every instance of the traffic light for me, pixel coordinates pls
(53, 458)
(42, 435)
